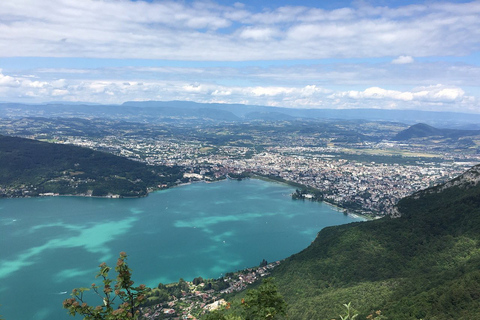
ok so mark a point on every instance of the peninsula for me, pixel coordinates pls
(34, 168)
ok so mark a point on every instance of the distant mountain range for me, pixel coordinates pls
(215, 112)
(423, 265)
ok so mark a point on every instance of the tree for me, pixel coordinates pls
(197, 281)
(265, 302)
(183, 285)
(123, 292)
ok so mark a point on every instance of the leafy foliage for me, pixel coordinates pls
(423, 265)
(350, 312)
(128, 297)
(262, 303)
(265, 302)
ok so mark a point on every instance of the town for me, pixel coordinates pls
(190, 300)
(366, 174)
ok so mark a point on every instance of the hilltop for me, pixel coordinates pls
(32, 168)
(422, 130)
(422, 265)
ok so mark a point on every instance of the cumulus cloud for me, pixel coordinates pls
(403, 60)
(7, 81)
(209, 31)
(437, 93)
(299, 86)
(377, 93)
(119, 90)
(24, 86)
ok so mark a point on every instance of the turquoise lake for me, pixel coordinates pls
(51, 245)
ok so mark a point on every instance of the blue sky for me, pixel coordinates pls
(422, 55)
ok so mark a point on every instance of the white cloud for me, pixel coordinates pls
(208, 31)
(343, 85)
(59, 92)
(258, 33)
(269, 91)
(222, 93)
(7, 81)
(437, 93)
(403, 60)
(16, 87)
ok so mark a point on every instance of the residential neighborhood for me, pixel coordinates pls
(199, 299)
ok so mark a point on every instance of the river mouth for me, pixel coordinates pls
(52, 245)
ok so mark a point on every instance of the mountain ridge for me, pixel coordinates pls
(423, 264)
(218, 112)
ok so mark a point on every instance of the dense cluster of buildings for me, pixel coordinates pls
(364, 187)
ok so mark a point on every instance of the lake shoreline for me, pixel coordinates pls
(336, 206)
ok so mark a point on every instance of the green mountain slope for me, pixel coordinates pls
(423, 265)
(30, 167)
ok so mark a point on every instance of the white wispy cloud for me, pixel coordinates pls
(259, 34)
(438, 93)
(208, 31)
(338, 74)
(432, 97)
(403, 60)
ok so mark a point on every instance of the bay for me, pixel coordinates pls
(51, 245)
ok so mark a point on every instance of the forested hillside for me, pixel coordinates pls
(30, 167)
(423, 265)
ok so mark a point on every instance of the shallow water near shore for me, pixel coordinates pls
(51, 245)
